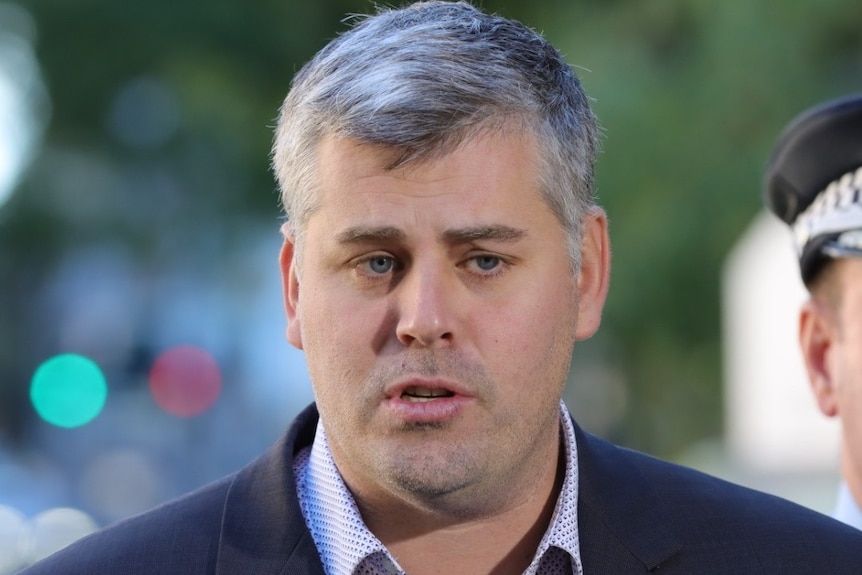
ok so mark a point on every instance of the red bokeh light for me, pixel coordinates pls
(185, 381)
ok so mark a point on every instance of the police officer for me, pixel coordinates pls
(814, 184)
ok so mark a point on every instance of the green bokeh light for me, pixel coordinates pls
(68, 390)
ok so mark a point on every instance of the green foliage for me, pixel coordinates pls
(692, 95)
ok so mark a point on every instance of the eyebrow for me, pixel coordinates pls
(498, 233)
(361, 234)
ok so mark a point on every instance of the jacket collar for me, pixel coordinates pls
(263, 531)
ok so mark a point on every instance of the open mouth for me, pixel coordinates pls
(425, 393)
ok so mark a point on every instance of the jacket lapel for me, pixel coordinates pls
(622, 528)
(263, 531)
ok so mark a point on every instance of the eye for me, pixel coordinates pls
(487, 263)
(380, 264)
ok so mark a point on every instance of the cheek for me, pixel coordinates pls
(534, 341)
(337, 333)
(850, 379)
(846, 366)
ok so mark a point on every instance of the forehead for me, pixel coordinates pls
(341, 155)
(491, 162)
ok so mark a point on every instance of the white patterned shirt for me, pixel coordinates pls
(348, 547)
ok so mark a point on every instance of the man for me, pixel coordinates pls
(442, 255)
(813, 183)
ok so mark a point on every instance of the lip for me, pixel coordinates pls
(443, 400)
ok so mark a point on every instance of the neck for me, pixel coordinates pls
(850, 471)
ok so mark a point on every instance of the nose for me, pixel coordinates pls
(427, 307)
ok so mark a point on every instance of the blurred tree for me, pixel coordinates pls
(692, 95)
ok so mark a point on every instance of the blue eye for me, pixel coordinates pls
(380, 264)
(487, 263)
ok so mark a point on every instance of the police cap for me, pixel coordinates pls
(814, 182)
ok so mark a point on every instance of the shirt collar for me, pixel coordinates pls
(333, 519)
(846, 509)
(563, 530)
(345, 543)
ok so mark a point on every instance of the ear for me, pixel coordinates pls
(290, 288)
(594, 274)
(817, 336)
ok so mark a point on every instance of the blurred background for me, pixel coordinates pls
(141, 329)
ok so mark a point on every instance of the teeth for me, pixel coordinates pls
(417, 399)
(425, 393)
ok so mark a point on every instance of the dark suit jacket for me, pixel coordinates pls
(636, 514)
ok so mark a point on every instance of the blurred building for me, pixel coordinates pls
(776, 439)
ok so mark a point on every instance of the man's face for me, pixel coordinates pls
(437, 308)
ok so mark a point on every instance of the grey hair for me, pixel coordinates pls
(423, 79)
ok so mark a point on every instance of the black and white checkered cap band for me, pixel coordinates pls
(836, 209)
